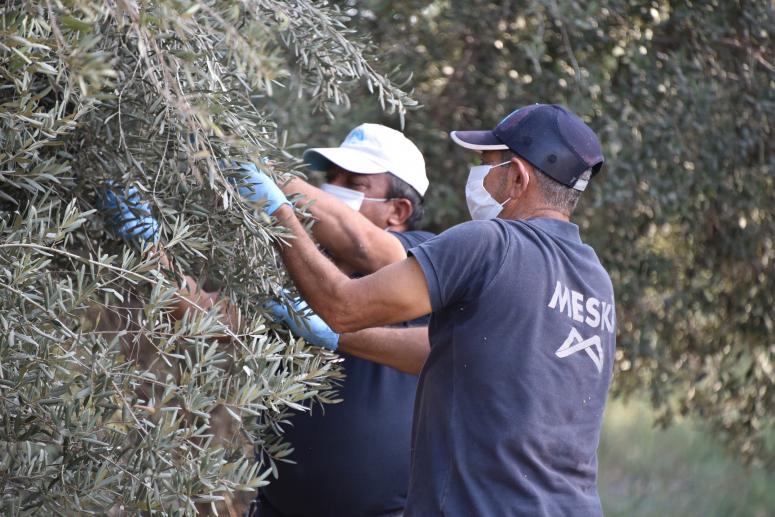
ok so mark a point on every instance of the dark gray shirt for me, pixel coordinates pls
(352, 458)
(510, 401)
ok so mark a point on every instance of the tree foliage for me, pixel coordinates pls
(107, 403)
(682, 94)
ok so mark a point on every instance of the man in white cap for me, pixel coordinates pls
(352, 458)
(380, 175)
(522, 332)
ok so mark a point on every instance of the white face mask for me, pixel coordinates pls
(349, 197)
(480, 203)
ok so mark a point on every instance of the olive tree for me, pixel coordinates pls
(108, 403)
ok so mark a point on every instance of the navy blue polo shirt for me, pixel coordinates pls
(510, 401)
(352, 458)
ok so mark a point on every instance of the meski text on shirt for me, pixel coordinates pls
(584, 309)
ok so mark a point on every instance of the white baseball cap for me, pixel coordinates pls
(374, 149)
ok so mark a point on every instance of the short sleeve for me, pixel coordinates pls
(412, 238)
(460, 263)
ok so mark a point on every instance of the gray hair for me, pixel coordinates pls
(562, 198)
(401, 189)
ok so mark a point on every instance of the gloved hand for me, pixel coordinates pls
(313, 329)
(127, 215)
(260, 187)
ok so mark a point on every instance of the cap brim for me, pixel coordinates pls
(349, 159)
(478, 140)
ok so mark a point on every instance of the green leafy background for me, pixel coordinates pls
(107, 402)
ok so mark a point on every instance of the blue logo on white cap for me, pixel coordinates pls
(356, 135)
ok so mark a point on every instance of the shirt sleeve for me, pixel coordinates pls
(412, 238)
(460, 263)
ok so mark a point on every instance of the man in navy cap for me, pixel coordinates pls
(366, 212)
(522, 331)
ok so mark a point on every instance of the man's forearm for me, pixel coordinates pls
(404, 349)
(319, 281)
(395, 293)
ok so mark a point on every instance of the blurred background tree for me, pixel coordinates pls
(107, 403)
(682, 95)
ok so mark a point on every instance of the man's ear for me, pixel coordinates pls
(401, 210)
(520, 179)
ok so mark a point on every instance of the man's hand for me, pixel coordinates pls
(259, 187)
(306, 324)
(127, 215)
(398, 292)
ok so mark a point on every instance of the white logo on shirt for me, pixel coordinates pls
(575, 343)
(581, 308)
(588, 310)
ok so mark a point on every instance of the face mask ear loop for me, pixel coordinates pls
(488, 172)
(499, 165)
(377, 199)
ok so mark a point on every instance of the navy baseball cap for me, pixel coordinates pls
(548, 136)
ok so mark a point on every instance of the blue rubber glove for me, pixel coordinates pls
(127, 215)
(313, 329)
(260, 187)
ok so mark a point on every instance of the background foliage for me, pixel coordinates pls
(682, 94)
(679, 470)
(152, 94)
(107, 403)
